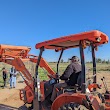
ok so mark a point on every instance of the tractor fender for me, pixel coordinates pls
(67, 98)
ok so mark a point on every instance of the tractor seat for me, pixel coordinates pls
(76, 86)
(68, 89)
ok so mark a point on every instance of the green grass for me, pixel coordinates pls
(100, 66)
(62, 66)
(42, 74)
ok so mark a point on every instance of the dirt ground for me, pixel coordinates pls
(106, 75)
(10, 97)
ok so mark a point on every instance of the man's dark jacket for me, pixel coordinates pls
(71, 73)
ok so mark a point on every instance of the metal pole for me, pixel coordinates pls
(94, 62)
(83, 73)
(38, 61)
(58, 64)
(37, 102)
(59, 61)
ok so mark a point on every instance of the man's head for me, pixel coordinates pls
(74, 59)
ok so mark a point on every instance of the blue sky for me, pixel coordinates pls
(27, 22)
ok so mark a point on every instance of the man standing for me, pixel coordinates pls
(13, 74)
(70, 76)
(4, 72)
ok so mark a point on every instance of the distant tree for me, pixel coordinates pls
(90, 61)
(98, 60)
(108, 61)
(103, 61)
(62, 61)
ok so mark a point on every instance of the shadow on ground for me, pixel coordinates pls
(5, 107)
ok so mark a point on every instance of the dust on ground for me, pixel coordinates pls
(101, 74)
(10, 97)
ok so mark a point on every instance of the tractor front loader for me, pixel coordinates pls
(16, 56)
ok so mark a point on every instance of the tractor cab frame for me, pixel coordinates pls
(82, 40)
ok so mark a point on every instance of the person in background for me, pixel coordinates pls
(13, 74)
(4, 73)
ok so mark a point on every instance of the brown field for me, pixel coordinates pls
(11, 97)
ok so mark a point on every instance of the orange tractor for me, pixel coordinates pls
(16, 56)
(39, 92)
(76, 99)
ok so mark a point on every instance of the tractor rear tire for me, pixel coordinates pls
(81, 107)
(73, 106)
